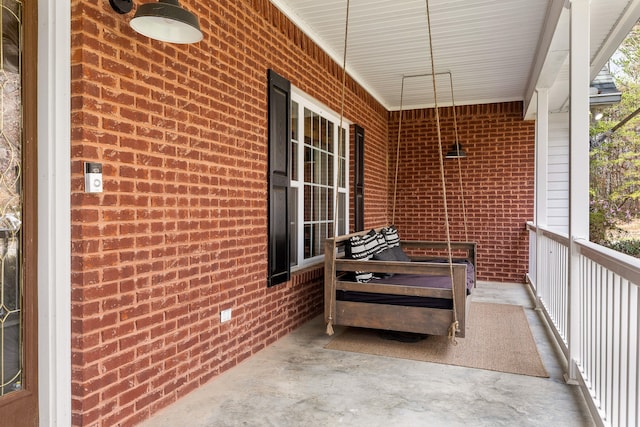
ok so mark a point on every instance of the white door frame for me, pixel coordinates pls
(54, 212)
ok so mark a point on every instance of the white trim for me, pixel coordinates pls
(54, 213)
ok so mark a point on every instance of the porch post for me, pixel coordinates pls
(542, 167)
(578, 166)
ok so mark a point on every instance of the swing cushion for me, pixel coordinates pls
(392, 238)
(411, 280)
(385, 255)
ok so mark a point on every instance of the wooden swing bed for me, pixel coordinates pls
(417, 298)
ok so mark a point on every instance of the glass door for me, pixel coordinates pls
(18, 330)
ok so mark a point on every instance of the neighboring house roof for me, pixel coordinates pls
(604, 90)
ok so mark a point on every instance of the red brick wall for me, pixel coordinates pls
(180, 231)
(498, 182)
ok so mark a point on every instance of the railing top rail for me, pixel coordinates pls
(623, 265)
(553, 235)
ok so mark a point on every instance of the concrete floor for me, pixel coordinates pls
(296, 382)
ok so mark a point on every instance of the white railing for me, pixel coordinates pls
(607, 337)
(531, 275)
(551, 284)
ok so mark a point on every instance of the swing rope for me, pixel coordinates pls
(454, 327)
(395, 183)
(337, 178)
(457, 140)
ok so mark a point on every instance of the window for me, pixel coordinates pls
(319, 165)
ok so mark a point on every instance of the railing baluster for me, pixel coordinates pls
(634, 343)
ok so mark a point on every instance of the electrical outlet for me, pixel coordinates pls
(225, 315)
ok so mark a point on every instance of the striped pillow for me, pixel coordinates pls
(379, 243)
(393, 241)
(360, 248)
(391, 236)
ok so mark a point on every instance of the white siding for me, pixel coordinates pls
(558, 173)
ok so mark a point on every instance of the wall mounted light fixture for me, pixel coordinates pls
(166, 21)
(163, 20)
(121, 6)
(456, 151)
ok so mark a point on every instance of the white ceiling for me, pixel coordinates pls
(489, 50)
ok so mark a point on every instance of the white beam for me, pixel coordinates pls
(543, 54)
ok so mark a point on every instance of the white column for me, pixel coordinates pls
(578, 164)
(542, 176)
(54, 213)
(542, 155)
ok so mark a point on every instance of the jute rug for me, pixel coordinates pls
(498, 338)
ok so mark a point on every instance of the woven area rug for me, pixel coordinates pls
(498, 338)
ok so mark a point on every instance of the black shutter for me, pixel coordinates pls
(358, 192)
(279, 158)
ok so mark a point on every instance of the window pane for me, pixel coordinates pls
(314, 245)
(322, 236)
(317, 163)
(324, 144)
(294, 140)
(315, 123)
(314, 239)
(293, 225)
(308, 126)
(322, 179)
(317, 193)
(322, 205)
(294, 120)
(341, 214)
(308, 229)
(308, 164)
(330, 205)
(308, 203)
(294, 161)
(330, 127)
(330, 170)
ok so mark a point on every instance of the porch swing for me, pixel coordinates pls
(371, 283)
